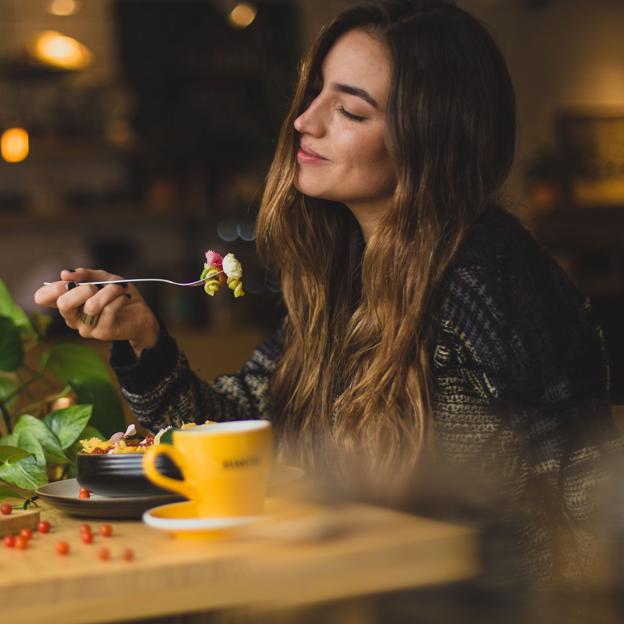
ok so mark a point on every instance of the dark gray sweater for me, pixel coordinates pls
(520, 383)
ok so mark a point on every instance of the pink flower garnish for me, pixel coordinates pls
(117, 437)
(214, 259)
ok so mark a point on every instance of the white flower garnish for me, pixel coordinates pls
(232, 267)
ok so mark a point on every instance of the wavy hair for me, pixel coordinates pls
(354, 372)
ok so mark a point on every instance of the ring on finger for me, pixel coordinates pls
(89, 319)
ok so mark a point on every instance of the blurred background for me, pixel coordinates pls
(136, 134)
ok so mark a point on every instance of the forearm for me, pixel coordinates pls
(162, 390)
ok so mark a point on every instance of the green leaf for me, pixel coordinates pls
(41, 323)
(6, 492)
(12, 452)
(91, 432)
(108, 416)
(29, 426)
(68, 423)
(7, 388)
(25, 473)
(82, 369)
(11, 310)
(29, 443)
(11, 348)
(73, 362)
(9, 440)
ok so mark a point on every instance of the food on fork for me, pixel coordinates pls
(219, 270)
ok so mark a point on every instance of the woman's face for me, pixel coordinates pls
(342, 153)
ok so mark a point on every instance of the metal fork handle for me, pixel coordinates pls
(144, 279)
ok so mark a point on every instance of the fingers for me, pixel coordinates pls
(47, 295)
(71, 302)
(87, 275)
(109, 325)
(95, 304)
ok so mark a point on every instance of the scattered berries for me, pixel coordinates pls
(85, 528)
(106, 530)
(9, 541)
(21, 542)
(86, 537)
(62, 548)
(127, 554)
(104, 554)
(43, 526)
(6, 509)
(26, 533)
(84, 493)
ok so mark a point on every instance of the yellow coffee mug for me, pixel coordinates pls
(225, 466)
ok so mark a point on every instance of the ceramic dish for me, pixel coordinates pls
(121, 475)
(183, 521)
(64, 496)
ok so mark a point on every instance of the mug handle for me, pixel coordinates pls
(153, 474)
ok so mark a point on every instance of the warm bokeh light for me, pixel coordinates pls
(63, 8)
(242, 15)
(53, 48)
(14, 145)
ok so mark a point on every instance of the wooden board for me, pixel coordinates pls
(364, 550)
(16, 521)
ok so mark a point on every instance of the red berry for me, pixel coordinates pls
(84, 493)
(9, 541)
(104, 554)
(127, 554)
(43, 526)
(62, 548)
(85, 528)
(26, 533)
(86, 537)
(21, 542)
(106, 530)
(6, 509)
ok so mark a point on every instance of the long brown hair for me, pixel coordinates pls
(354, 372)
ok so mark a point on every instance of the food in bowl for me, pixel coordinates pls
(114, 467)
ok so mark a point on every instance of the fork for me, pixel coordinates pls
(200, 282)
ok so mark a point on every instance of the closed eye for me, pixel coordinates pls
(343, 111)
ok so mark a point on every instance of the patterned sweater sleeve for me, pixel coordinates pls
(162, 390)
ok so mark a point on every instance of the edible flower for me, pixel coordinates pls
(234, 272)
(214, 259)
(218, 270)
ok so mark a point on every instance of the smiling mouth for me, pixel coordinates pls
(308, 156)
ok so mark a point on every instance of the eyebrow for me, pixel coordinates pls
(351, 90)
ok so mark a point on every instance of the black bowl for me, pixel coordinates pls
(121, 475)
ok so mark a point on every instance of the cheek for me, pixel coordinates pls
(370, 162)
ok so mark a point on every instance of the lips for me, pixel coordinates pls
(310, 152)
(307, 156)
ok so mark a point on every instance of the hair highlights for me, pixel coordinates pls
(354, 374)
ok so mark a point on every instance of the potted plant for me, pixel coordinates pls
(46, 407)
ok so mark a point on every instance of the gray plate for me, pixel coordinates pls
(64, 496)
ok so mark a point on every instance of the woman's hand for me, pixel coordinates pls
(113, 312)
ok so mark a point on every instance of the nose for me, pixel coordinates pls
(311, 120)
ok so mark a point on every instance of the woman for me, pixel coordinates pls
(424, 326)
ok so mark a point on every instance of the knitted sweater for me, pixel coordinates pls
(520, 389)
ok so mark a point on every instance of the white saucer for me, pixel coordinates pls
(182, 519)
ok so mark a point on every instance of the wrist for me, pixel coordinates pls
(148, 337)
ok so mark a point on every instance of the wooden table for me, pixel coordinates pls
(340, 552)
